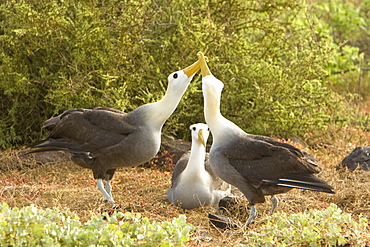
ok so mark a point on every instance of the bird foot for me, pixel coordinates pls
(222, 222)
(117, 206)
(108, 201)
(248, 223)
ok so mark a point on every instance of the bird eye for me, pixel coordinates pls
(175, 75)
(208, 129)
(194, 128)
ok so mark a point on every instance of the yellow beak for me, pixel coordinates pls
(201, 138)
(192, 69)
(203, 64)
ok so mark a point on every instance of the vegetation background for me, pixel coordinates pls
(291, 69)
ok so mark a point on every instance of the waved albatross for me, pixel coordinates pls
(256, 165)
(104, 139)
(194, 184)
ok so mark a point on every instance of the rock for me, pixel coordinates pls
(176, 148)
(358, 159)
(227, 203)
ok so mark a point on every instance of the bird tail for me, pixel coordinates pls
(307, 183)
(40, 147)
(55, 145)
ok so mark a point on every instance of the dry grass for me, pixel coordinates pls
(67, 186)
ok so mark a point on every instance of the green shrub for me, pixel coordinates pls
(31, 226)
(330, 227)
(347, 25)
(57, 55)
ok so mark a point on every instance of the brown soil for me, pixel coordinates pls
(58, 183)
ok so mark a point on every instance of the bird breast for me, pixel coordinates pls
(134, 150)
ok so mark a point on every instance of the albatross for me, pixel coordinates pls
(257, 165)
(104, 139)
(194, 184)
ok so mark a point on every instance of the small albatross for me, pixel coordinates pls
(104, 139)
(256, 165)
(194, 184)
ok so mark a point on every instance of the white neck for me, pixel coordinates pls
(196, 159)
(212, 113)
(158, 112)
(220, 127)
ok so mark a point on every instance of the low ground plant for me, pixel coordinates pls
(330, 227)
(32, 226)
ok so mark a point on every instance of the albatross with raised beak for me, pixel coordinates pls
(104, 139)
(194, 184)
(256, 165)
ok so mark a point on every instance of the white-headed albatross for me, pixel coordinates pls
(104, 139)
(194, 184)
(256, 165)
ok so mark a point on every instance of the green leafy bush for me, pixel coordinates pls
(346, 25)
(57, 55)
(31, 226)
(330, 227)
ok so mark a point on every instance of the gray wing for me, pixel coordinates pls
(101, 108)
(259, 159)
(86, 130)
(218, 183)
(179, 168)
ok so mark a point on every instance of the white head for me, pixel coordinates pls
(158, 112)
(212, 89)
(178, 81)
(200, 133)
